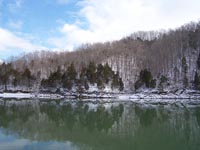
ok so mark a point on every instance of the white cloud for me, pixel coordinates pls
(113, 19)
(8, 41)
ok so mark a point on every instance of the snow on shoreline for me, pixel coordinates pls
(107, 97)
(16, 95)
(29, 95)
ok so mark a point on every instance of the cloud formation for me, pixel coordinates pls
(8, 41)
(108, 20)
(74, 23)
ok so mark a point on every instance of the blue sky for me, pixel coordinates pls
(57, 25)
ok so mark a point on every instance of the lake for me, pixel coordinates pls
(76, 125)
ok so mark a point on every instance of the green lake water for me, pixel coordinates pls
(67, 125)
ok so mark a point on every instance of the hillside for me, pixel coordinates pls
(167, 59)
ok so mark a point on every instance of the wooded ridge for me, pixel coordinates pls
(143, 60)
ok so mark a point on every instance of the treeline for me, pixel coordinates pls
(172, 54)
(89, 76)
(12, 78)
(161, 81)
(197, 75)
(69, 78)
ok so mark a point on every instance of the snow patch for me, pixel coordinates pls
(16, 95)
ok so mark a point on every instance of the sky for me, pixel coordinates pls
(64, 25)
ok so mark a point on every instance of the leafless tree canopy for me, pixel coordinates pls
(159, 51)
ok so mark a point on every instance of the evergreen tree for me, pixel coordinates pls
(83, 82)
(72, 72)
(15, 77)
(153, 83)
(86, 85)
(108, 73)
(138, 84)
(83, 75)
(27, 77)
(184, 70)
(163, 81)
(193, 39)
(100, 84)
(64, 79)
(197, 81)
(55, 78)
(146, 79)
(121, 84)
(198, 62)
(100, 71)
(176, 74)
(115, 81)
(69, 78)
(100, 76)
(68, 84)
(91, 72)
(5, 72)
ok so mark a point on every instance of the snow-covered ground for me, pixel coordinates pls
(29, 95)
(142, 97)
(16, 95)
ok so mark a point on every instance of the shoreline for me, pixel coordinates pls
(179, 102)
(188, 94)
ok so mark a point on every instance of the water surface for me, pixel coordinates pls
(60, 125)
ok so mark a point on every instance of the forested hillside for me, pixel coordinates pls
(164, 59)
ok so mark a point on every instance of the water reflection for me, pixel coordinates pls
(30, 124)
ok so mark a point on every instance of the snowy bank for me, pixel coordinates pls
(30, 95)
(147, 96)
(16, 95)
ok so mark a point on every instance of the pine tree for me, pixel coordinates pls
(138, 84)
(121, 84)
(86, 85)
(27, 77)
(4, 76)
(68, 84)
(69, 78)
(55, 78)
(115, 81)
(163, 81)
(198, 62)
(193, 39)
(146, 79)
(184, 70)
(100, 84)
(72, 72)
(100, 71)
(100, 76)
(83, 75)
(108, 73)
(197, 81)
(91, 72)
(153, 83)
(64, 79)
